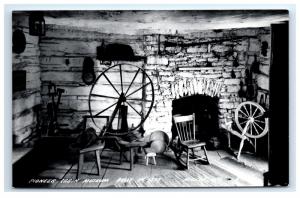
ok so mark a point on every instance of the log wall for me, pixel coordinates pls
(61, 44)
(24, 117)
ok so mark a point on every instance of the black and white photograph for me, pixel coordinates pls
(150, 98)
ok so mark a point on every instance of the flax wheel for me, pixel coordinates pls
(256, 114)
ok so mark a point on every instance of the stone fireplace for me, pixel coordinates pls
(209, 92)
(208, 64)
(206, 112)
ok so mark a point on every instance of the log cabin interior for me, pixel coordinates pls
(150, 98)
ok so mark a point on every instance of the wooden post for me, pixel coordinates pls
(131, 157)
(187, 158)
(97, 153)
(143, 94)
(80, 164)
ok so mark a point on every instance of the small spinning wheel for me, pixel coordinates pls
(121, 91)
(251, 121)
(252, 115)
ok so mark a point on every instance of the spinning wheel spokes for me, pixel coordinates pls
(254, 113)
(106, 109)
(132, 81)
(256, 131)
(137, 99)
(258, 126)
(258, 116)
(104, 96)
(247, 113)
(137, 89)
(250, 111)
(133, 108)
(108, 97)
(111, 83)
(244, 114)
(244, 122)
(121, 78)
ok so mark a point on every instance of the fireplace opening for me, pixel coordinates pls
(206, 115)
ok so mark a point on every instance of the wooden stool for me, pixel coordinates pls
(130, 146)
(93, 148)
(150, 155)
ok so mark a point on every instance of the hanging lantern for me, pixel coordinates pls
(37, 26)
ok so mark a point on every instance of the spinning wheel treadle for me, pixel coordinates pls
(125, 89)
(252, 115)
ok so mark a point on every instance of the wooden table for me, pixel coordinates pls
(130, 146)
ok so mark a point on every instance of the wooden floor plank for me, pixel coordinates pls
(116, 174)
(90, 177)
(223, 171)
(55, 170)
(165, 163)
(50, 174)
(245, 173)
(70, 180)
(140, 171)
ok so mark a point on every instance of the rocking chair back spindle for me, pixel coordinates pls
(185, 126)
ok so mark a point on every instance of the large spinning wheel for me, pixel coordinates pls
(125, 94)
(252, 115)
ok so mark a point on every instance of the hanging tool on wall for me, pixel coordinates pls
(88, 73)
(52, 108)
(251, 91)
(255, 65)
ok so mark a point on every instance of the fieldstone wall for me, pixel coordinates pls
(208, 56)
(174, 62)
(24, 117)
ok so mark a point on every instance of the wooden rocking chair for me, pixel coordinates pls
(185, 126)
